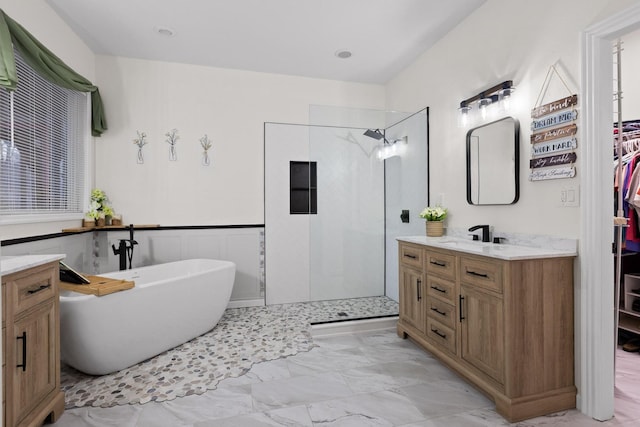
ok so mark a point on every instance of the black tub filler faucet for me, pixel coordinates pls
(125, 249)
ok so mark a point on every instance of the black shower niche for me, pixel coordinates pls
(303, 192)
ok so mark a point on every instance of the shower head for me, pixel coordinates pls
(375, 134)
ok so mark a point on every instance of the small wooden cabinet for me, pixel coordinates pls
(504, 325)
(31, 344)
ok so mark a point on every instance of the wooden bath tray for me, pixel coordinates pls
(99, 286)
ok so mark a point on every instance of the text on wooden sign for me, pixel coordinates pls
(551, 107)
(554, 133)
(558, 159)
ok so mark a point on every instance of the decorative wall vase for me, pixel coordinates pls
(172, 140)
(205, 142)
(140, 141)
(435, 228)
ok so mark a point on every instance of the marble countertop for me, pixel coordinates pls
(13, 264)
(492, 250)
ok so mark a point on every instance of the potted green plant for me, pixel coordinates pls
(434, 217)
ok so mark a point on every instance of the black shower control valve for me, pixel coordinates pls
(404, 216)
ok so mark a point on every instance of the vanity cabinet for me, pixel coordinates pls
(31, 346)
(412, 288)
(504, 325)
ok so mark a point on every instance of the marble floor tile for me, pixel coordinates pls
(395, 351)
(299, 390)
(220, 403)
(627, 389)
(365, 379)
(297, 416)
(386, 408)
(325, 360)
(386, 376)
(485, 417)
(120, 416)
(446, 397)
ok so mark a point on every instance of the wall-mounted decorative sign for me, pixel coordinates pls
(554, 134)
(559, 159)
(140, 141)
(554, 131)
(554, 106)
(545, 174)
(554, 146)
(554, 120)
(172, 140)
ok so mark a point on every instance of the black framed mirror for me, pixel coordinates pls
(493, 163)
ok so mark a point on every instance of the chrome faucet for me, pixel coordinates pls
(485, 232)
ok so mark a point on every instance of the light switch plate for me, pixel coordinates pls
(570, 195)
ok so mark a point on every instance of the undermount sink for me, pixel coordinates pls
(465, 244)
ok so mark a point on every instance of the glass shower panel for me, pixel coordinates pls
(346, 236)
(406, 188)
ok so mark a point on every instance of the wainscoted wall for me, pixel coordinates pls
(92, 252)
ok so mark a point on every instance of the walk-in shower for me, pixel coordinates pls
(332, 209)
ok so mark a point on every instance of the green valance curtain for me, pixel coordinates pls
(45, 63)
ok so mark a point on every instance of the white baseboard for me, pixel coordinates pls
(245, 303)
(353, 326)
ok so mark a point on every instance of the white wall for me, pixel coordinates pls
(286, 236)
(503, 40)
(630, 72)
(228, 105)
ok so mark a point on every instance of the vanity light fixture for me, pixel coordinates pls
(486, 103)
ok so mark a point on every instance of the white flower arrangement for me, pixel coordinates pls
(99, 205)
(172, 140)
(437, 213)
(141, 140)
(205, 142)
(172, 137)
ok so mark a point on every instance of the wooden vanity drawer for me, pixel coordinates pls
(32, 289)
(442, 335)
(484, 273)
(411, 255)
(441, 264)
(441, 288)
(442, 312)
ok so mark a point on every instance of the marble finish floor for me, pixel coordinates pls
(627, 389)
(243, 337)
(357, 379)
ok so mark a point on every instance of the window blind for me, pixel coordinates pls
(43, 147)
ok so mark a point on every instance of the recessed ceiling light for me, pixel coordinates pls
(165, 31)
(343, 54)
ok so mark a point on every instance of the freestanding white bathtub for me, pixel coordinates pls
(170, 304)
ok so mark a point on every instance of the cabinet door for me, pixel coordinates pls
(34, 359)
(482, 330)
(412, 293)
